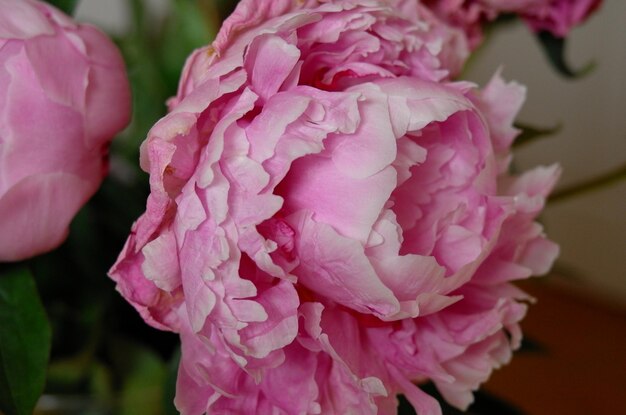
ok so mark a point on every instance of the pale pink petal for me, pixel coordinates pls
(350, 205)
(20, 20)
(269, 61)
(336, 267)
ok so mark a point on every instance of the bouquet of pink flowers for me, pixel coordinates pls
(331, 221)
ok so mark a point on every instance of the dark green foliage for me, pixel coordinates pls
(68, 6)
(531, 133)
(24, 342)
(609, 178)
(554, 49)
(170, 384)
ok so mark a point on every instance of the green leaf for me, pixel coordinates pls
(24, 343)
(530, 345)
(68, 6)
(190, 25)
(484, 404)
(101, 383)
(554, 49)
(596, 183)
(531, 133)
(144, 379)
(169, 392)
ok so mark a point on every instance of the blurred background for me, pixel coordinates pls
(590, 228)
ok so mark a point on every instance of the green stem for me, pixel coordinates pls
(597, 183)
(531, 134)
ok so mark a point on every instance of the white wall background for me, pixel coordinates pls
(592, 228)
(113, 15)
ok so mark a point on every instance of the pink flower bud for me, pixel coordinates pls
(64, 96)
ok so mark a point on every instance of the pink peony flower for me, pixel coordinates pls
(330, 222)
(555, 16)
(65, 96)
(468, 15)
(560, 16)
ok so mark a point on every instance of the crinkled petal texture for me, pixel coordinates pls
(65, 94)
(330, 220)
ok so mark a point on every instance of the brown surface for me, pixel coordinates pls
(583, 369)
